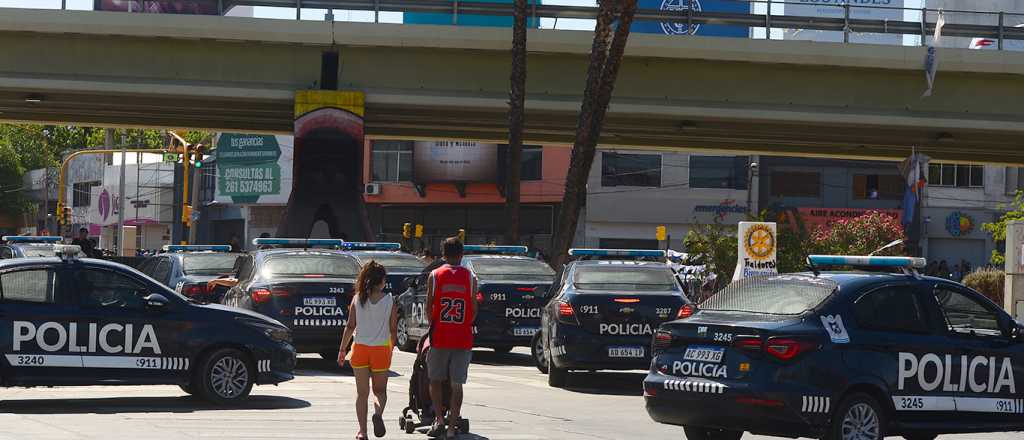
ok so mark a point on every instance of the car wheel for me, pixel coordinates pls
(557, 377)
(697, 433)
(502, 349)
(859, 417)
(226, 376)
(538, 353)
(405, 343)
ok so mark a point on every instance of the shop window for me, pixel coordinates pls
(958, 176)
(532, 164)
(878, 187)
(795, 184)
(82, 193)
(391, 160)
(624, 169)
(726, 172)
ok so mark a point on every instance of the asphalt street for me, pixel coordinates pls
(506, 399)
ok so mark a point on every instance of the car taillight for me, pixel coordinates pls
(627, 300)
(566, 313)
(526, 289)
(260, 296)
(194, 290)
(686, 311)
(662, 340)
(747, 343)
(479, 297)
(785, 349)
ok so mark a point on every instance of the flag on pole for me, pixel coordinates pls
(914, 169)
(931, 60)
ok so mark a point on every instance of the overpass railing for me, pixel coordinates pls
(851, 21)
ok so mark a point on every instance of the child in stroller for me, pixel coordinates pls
(419, 395)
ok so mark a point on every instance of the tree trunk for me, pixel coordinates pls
(601, 75)
(516, 119)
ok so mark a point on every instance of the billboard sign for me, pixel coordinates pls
(251, 168)
(454, 161)
(442, 18)
(191, 7)
(682, 27)
(859, 10)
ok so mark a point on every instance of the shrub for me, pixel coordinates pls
(987, 281)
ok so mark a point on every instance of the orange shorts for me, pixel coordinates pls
(375, 357)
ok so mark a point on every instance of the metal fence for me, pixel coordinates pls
(840, 21)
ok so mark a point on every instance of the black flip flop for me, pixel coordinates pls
(378, 426)
(437, 431)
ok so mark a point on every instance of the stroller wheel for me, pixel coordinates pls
(401, 422)
(409, 427)
(464, 426)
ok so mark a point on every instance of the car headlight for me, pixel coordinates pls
(275, 333)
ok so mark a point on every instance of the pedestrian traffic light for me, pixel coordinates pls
(419, 231)
(661, 233)
(462, 235)
(406, 230)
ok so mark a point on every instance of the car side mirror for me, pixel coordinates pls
(412, 282)
(156, 301)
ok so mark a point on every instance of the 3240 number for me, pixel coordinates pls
(31, 360)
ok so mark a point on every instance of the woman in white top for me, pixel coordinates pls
(373, 319)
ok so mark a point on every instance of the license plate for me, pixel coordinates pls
(626, 352)
(524, 331)
(320, 301)
(704, 353)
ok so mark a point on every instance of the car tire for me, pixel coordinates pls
(503, 349)
(557, 377)
(698, 433)
(537, 353)
(859, 416)
(405, 342)
(226, 377)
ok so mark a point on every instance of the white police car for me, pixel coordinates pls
(68, 321)
(22, 246)
(840, 356)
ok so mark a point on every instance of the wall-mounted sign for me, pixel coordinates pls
(683, 27)
(817, 217)
(757, 250)
(454, 161)
(251, 168)
(959, 224)
(721, 210)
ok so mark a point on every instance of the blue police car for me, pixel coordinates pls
(307, 284)
(188, 268)
(602, 312)
(400, 266)
(68, 321)
(840, 356)
(22, 246)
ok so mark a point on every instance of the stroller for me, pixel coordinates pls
(419, 395)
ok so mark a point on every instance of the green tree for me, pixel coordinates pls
(1014, 212)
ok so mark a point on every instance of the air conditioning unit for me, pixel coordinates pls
(372, 189)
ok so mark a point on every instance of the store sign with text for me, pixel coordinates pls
(454, 162)
(758, 246)
(254, 168)
(818, 217)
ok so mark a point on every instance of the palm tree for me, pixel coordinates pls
(605, 58)
(516, 119)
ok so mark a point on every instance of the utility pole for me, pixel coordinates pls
(120, 200)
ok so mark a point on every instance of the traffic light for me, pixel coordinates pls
(462, 235)
(661, 233)
(419, 231)
(186, 215)
(66, 212)
(406, 230)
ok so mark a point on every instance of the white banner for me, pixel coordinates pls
(454, 161)
(757, 243)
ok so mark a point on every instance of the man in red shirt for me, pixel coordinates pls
(452, 309)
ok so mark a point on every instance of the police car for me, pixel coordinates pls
(21, 246)
(68, 321)
(840, 356)
(188, 268)
(305, 283)
(603, 311)
(509, 299)
(399, 265)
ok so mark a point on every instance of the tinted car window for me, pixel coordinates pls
(208, 264)
(656, 279)
(965, 314)
(397, 262)
(106, 289)
(162, 270)
(774, 295)
(891, 309)
(510, 269)
(310, 265)
(34, 285)
(6, 252)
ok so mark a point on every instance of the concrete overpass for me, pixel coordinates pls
(770, 97)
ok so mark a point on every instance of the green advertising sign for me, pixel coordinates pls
(248, 166)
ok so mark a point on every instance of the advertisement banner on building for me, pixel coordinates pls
(254, 168)
(442, 18)
(106, 202)
(757, 243)
(192, 7)
(682, 27)
(454, 161)
(814, 218)
(859, 10)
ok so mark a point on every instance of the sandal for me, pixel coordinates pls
(378, 426)
(437, 431)
(361, 436)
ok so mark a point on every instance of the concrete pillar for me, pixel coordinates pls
(1013, 293)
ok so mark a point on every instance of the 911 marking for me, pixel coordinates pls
(589, 309)
(147, 363)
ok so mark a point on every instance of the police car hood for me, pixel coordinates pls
(234, 311)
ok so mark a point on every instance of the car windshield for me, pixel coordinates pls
(510, 269)
(787, 294)
(310, 266)
(634, 278)
(396, 261)
(208, 264)
(39, 250)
